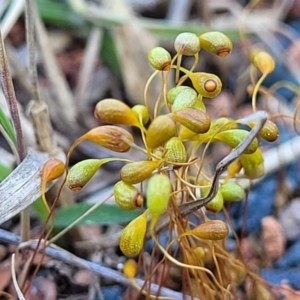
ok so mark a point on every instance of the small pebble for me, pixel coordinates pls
(291, 257)
(289, 218)
(277, 276)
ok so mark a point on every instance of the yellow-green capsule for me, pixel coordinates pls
(263, 61)
(138, 171)
(233, 137)
(160, 131)
(187, 43)
(127, 196)
(115, 112)
(184, 99)
(173, 92)
(216, 42)
(142, 112)
(211, 230)
(232, 191)
(206, 84)
(253, 164)
(133, 235)
(159, 58)
(158, 194)
(176, 152)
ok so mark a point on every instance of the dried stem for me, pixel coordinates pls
(9, 92)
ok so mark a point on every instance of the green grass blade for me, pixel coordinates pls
(4, 120)
(103, 215)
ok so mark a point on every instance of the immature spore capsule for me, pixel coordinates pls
(176, 152)
(127, 196)
(216, 42)
(133, 235)
(211, 230)
(187, 43)
(138, 171)
(184, 99)
(159, 58)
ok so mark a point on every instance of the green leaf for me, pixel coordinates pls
(104, 214)
(4, 120)
(40, 209)
(4, 172)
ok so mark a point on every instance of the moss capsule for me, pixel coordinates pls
(216, 42)
(233, 137)
(253, 164)
(176, 152)
(184, 99)
(232, 191)
(160, 131)
(211, 230)
(158, 194)
(193, 119)
(173, 92)
(133, 235)
(115, 112)
(263, 61)
(187, 43)
(206, 84)
(127, 196)
(159, 58)
(81, 173)
(110, 137)
(142, 112)
(138, 171)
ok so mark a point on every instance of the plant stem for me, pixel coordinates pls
(10, 96)
(31, 47)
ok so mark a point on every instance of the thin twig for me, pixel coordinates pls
(104, 272)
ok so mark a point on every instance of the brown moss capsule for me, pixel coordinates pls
(81, 173)
(110, 137)
(253, 164)
(160, 59)
(195, 257)
(206, 84)
(184, 99)
(132, 237)
(233, 137)
(158, 193)
(160, 131)
(115, 112)
(173, 92)
(269, 131)
(216, 42)
(193, 119)
(141, 112)
(52, 169)
(127, 196)
(187, 43)
(232, 191)
(263, 61)
(176, 152)
(211, 230)
(138, 171)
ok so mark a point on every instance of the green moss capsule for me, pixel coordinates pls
(159, 58)
(133, 235)
(158, 194)
(232, 191)
(138, 171)
(127, 196)
(160, 131)
(216, 42)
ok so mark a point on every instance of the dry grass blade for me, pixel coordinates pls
(23, 186)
